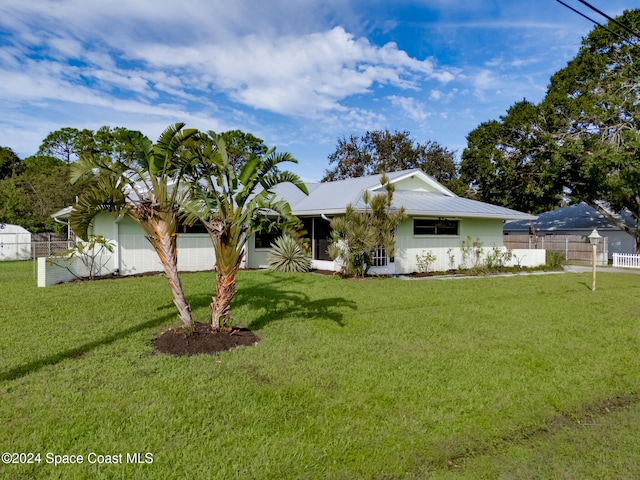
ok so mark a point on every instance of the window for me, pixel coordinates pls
(265, 239)
(379, 257)
(423, 226)
(197, 227)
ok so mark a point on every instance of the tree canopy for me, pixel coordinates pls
(507, 162)
(9, 162)
(32, 190)
(242, 146)
(580, 143)
(592, 107)
(37, 186)
(383, 151)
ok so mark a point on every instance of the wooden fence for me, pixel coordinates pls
(576, 248)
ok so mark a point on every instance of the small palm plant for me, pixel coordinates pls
(287, 255)
(358, 233)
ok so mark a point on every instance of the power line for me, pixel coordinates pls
(580, 13)
(622, 37)
(621, 25)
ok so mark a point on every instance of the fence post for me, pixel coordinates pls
(566, 248)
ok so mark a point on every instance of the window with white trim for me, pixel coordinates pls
(379, 257)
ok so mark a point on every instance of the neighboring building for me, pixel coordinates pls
(15, 242)
(579, 219)
(438, 221)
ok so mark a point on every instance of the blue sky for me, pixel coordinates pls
(298, 74)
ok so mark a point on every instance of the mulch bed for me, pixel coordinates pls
(203, 340)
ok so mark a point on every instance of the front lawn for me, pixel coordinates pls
(376, 378)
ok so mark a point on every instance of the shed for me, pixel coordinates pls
(15, 242)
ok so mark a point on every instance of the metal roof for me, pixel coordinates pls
(434, 200)
(430, 204)
(11, 229)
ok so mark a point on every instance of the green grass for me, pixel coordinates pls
(472, 378)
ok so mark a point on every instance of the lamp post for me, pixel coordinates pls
(594, 238)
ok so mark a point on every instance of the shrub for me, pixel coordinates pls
(497, 258)
(425, 260)
(287, 255)
(92, 253)
(471, 251)
(555, 259)
(357, 234)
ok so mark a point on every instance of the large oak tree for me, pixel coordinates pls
(383, 151)
(593, 109)
(508, 162)
(580, 142)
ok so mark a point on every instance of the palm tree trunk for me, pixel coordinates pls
(166, 249)
(221, 302)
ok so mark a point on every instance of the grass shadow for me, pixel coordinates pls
(32, 367)
(280, 302)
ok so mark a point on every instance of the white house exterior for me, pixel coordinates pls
(438, 221)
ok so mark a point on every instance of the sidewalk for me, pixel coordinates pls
(566, 269)
(584, 269)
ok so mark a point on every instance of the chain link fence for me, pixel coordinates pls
(48, 244)
(41, 245)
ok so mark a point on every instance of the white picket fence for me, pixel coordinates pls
(628, 260)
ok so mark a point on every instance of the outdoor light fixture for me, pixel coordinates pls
(594, 239)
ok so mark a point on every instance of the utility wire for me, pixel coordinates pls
(580, 13)
(621, 25)
(625, 39)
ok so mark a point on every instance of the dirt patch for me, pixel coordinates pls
(418, 274)
(203, 341)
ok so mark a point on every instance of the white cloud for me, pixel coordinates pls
(414, 109)
(237, 48)
(295, 70)
(296, 74)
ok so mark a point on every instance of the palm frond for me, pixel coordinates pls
(274, 178)
(103, 196)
